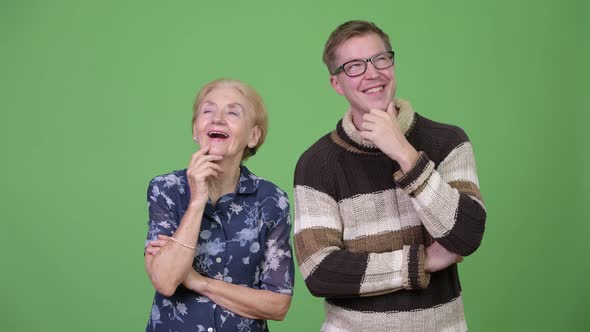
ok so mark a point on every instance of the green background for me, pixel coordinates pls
(96, 99)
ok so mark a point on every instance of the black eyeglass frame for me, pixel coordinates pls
(366, 61)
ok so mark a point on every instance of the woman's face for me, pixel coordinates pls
(225, 122)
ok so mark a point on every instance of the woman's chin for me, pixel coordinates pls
(223, 152)
(217, 152)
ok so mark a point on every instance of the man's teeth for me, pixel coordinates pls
(375, 89)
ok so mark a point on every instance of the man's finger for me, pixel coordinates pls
(391, 109)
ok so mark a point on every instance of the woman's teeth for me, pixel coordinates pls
(217, 134)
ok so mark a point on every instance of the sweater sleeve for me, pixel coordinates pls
(447, 198)
(328, 268)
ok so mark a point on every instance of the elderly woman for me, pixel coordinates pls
(218, 250)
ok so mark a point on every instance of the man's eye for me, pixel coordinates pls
(353, 65)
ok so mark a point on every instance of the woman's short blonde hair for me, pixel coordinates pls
(256, 105)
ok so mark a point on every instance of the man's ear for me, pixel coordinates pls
(336, 84)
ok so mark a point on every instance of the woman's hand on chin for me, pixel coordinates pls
(202, 167)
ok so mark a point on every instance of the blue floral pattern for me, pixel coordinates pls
(244, 240)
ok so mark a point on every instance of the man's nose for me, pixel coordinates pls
(372, 71)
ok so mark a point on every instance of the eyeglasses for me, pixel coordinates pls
(358, 67)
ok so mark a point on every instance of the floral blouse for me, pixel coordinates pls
(244, 240)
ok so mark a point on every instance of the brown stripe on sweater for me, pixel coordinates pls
(420, 188)
(466, 187)
(340, 142)
(389, 241)
(413, 267)
(311, 240)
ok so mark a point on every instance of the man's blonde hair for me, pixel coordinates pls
(346, 31)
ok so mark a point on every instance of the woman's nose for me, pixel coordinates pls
(218, 117)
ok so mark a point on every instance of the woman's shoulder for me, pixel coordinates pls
(173, 181)
(260, 184)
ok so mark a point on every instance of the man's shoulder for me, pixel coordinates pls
(316, 164)
(322, 149)
(437, 139)
(430, 135)
(439, 130)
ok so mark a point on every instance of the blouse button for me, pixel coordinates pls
(218, 260)
(210, 329)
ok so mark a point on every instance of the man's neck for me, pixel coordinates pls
(357, 118)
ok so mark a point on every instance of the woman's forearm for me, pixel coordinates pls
(172, 263)
(244, 301)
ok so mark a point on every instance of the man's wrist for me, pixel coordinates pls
(408, 158)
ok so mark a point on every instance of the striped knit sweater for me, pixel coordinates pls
(361, 226)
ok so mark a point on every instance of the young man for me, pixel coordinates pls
(387, 203)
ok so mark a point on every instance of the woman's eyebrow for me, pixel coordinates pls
(208, 103)
(236, 105)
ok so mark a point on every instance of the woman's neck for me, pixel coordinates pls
(226, 182)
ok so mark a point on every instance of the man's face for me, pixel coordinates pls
(373, 89)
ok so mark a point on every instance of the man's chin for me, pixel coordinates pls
(380, 105)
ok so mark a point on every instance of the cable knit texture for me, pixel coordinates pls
(362, 226)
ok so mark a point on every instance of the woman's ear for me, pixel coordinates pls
(195, 137)
(255, 134)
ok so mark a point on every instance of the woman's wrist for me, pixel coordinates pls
(197, 283)
(197, 205)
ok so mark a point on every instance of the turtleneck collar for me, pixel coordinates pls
(348, 136)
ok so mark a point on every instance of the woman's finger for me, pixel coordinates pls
(198, 171)
(210, 173)
(152, 250)
(204, 159)
(158, 243)
(202, 151)
(214, 166)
